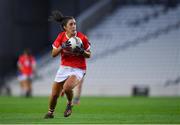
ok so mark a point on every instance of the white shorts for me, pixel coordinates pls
(22, 77)
(65, 71)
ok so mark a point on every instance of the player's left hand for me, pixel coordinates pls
(79, 50)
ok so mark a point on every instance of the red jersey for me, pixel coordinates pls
(26, 63)
(71, 59)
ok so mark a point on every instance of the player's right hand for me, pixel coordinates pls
(66, 44)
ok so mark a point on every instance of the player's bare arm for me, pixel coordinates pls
(20, 67)
(56, 51)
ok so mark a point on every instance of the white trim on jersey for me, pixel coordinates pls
(88, 48)
(54, 47)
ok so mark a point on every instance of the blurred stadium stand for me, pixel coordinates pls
(133, 45)
(126, 56)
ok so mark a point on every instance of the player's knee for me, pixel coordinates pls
(68, 91)
(67, 88)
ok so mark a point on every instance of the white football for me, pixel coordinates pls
(75, 41)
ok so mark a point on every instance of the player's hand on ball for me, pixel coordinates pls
(66, 44)
(79, 50)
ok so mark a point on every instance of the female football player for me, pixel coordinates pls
(26, 67)
(73, 64)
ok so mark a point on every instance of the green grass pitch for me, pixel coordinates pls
(127, 110)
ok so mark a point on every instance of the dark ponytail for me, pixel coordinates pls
(58, 17)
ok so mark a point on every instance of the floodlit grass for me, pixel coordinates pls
(127, 110)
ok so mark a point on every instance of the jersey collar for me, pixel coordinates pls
(67, 35)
